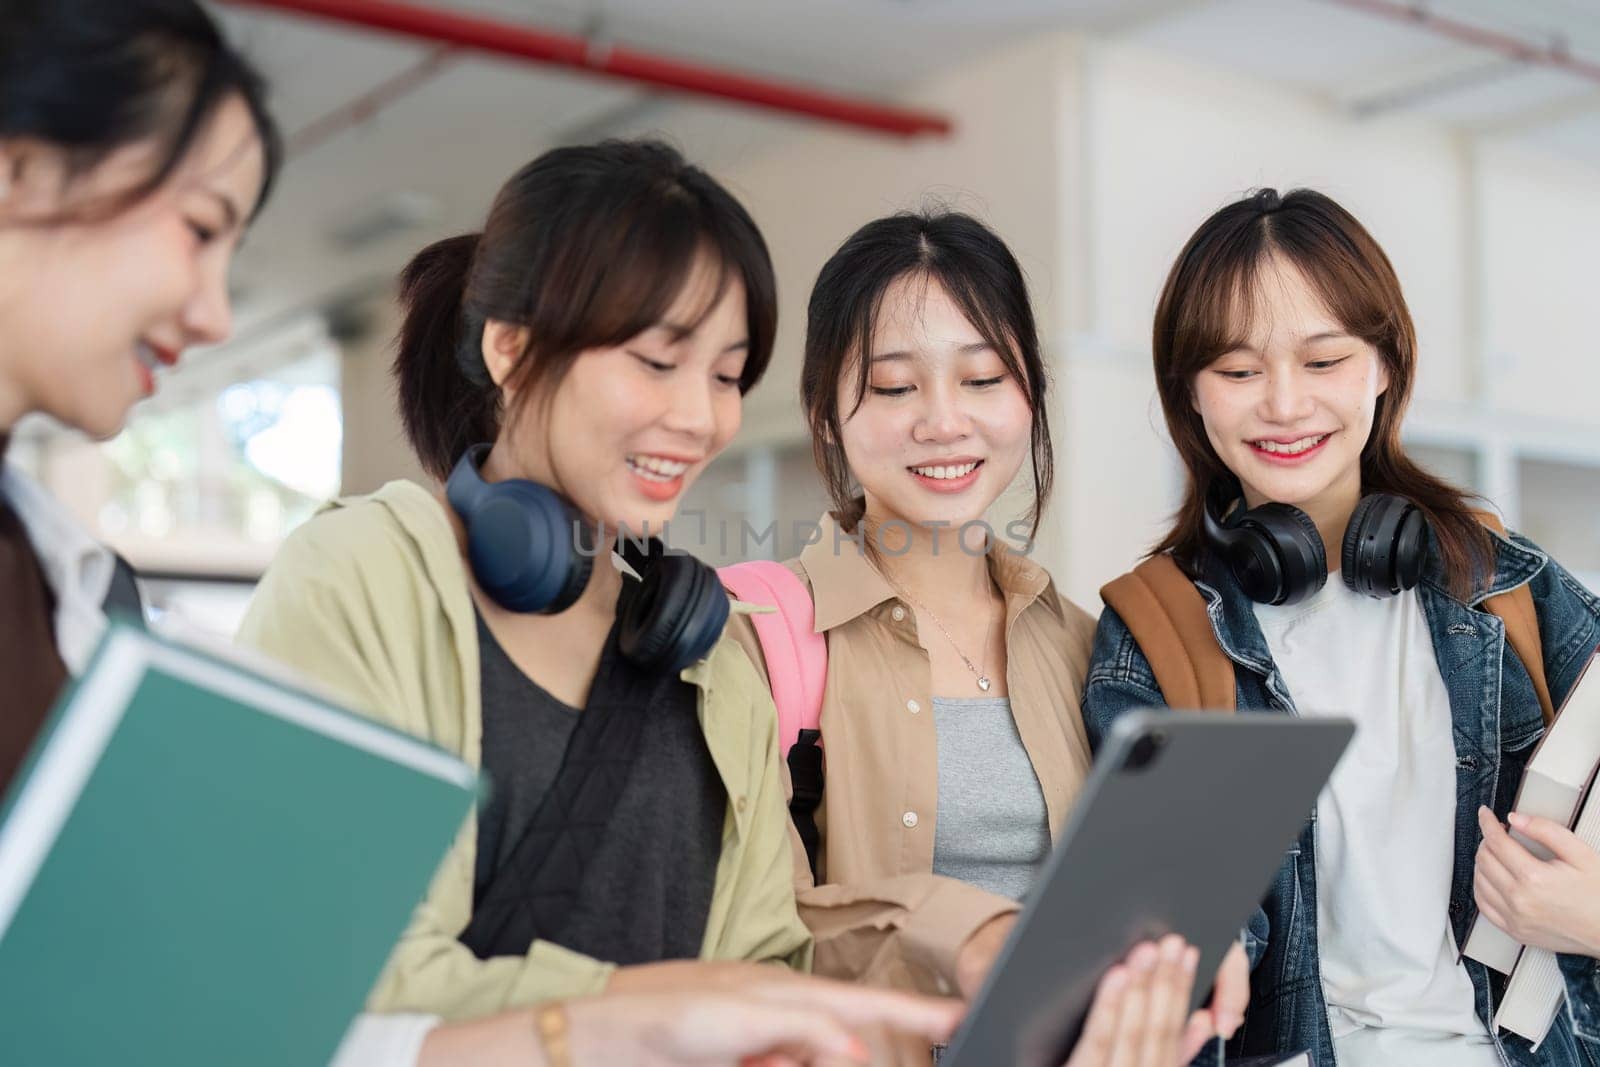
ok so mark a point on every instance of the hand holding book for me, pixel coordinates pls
(1552, 904)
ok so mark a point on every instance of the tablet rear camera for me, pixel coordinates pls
(1145, 750)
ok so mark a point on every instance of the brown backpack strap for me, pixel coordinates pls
(1167, 616)
(1515, 609)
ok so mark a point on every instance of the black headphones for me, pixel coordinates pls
(532, 551)
(1277, 556)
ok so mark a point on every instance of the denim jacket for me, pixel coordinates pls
(1496, 726)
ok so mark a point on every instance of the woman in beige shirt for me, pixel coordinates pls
(950, 712)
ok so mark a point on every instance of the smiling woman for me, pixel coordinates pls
(575, 365)
(135, 188)
(134, 147)
(953, 671)
(1349, 581)
(1285, 357)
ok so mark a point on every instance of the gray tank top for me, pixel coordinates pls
(993, 829)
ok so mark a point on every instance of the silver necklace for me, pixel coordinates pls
(982, 674)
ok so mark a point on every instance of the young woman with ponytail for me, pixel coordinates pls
(599, 331)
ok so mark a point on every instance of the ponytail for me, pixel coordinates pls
(445, 408)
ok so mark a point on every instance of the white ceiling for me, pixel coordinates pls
(436, 153)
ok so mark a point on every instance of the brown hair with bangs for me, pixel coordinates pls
(1197, 321)
(979, 273)
(586, 247)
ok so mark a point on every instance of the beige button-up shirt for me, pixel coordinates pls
(877, 910)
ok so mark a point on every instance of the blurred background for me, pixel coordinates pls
(1094, 135)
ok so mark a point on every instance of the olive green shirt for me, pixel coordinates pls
(371, 599)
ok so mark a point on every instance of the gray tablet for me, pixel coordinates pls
(1180, 827)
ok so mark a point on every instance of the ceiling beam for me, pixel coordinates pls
(1552, 55)
(441, 27)
(366, 106)
(1416, 91)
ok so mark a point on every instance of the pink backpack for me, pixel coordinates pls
(797, 668)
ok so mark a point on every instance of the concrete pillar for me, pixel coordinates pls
(375, 447)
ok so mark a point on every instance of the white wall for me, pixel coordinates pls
(1541, 237)
(1493, 247)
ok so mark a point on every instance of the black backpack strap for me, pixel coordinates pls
(805, 779)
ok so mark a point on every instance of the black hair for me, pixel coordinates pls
(93, 76)
(586, 247)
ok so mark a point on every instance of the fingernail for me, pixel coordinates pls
(1143, 958)
(1191, 959)
(1115, 979)
(1171, 948)
(1517, 819)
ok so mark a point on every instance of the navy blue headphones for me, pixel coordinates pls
(1277, 556)
(532, 551)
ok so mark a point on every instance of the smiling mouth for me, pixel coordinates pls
(1292, 448)
(942, 472)
(154, 356)
(658, 468)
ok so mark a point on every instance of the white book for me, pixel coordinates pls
(1536, 990)
(1557, 777)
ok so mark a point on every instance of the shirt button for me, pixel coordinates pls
(910, 819)
(898, 614)
(742, 804)
(913, 707)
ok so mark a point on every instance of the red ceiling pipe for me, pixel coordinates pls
(1467, 33)
(616, 61)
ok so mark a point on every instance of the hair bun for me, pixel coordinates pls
(1267, 201)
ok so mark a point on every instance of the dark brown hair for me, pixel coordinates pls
(93, 76)
(1197, 320)
(586, 247)
(974, 266)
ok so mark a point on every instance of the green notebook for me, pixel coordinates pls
(202, 865)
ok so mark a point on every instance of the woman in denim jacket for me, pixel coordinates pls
(1285, 356)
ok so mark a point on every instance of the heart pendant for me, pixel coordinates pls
(983, 683)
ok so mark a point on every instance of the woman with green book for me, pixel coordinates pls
(135, 148)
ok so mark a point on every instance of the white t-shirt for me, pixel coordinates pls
(1385, 829)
